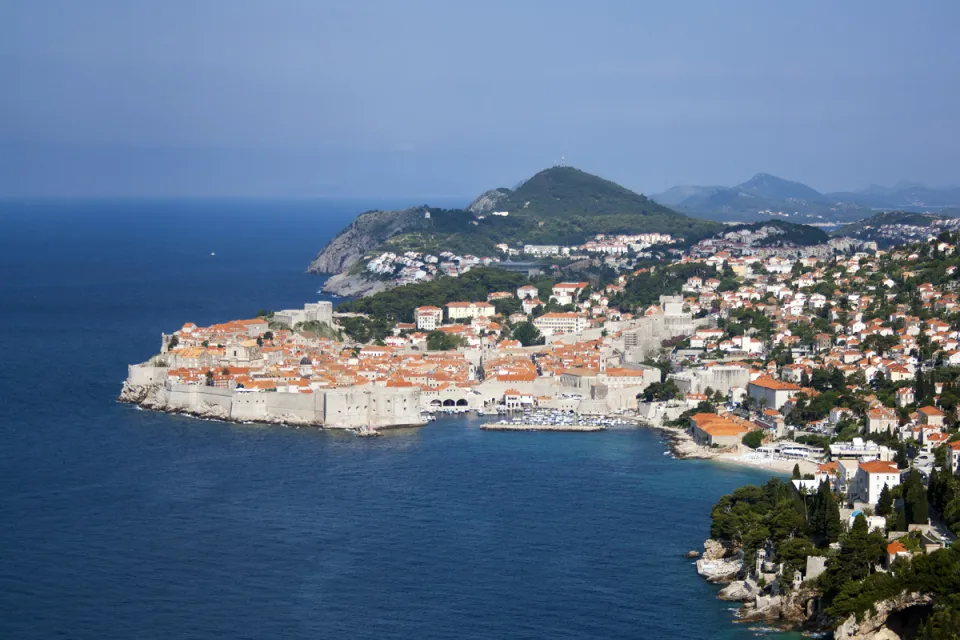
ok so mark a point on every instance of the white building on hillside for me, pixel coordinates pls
(871, 478)
(469, 310)
(428, 318)
(552, 324)
(566, 292)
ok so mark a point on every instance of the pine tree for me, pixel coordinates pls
(885, 503)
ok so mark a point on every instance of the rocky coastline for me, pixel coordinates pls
(364, 234)
(721, 563)
(799, 609)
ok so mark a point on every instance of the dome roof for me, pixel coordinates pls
(305, 360)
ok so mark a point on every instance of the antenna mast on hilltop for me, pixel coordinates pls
(562, 163)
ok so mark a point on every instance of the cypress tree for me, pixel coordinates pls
(949, 491)
(901, 458)
(885, 503)
(796, 471)
(818, 512)
(834, 526)
(915, 500)
(934, 490)
(901, 520)
(921, 512)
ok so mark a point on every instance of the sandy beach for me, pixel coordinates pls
(752, 459)
(683, 446)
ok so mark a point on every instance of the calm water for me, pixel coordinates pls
(117, 523)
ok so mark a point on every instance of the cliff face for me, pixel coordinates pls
(367, 232)
(488, 201)
(889, 619)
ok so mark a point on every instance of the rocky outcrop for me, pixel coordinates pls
(347, 285)
(719, 562)
(488, 201)
(715, 550)
(719, 570)
(739, 591)
(787, 610)
(364, 234)
(135, 393)
(880, 622)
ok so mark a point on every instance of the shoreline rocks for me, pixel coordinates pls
(719, 562)
(740, 591)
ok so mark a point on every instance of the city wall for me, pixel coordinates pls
(345, 408)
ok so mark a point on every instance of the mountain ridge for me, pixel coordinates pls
(766, 195)
(559, 205)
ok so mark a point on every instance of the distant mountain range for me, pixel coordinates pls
(764, 196)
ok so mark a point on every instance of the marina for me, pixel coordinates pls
(547, 420)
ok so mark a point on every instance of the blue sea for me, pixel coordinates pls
(117, 523)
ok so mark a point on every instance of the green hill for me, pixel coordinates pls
(560, 205)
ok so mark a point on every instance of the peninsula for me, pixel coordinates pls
(767, 344)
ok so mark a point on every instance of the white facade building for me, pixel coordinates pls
(428, 318)
(552, 324)
(469, 310)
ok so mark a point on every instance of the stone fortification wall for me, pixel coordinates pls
(377, 406)
(144, 375)
(333, 408)
(720, 379)
(659, 412)
(492, 390)
(186, 397)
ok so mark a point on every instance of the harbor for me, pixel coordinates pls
(546, 420)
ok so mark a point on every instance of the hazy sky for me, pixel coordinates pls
(449, 97)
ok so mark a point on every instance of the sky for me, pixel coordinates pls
(380, 98)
